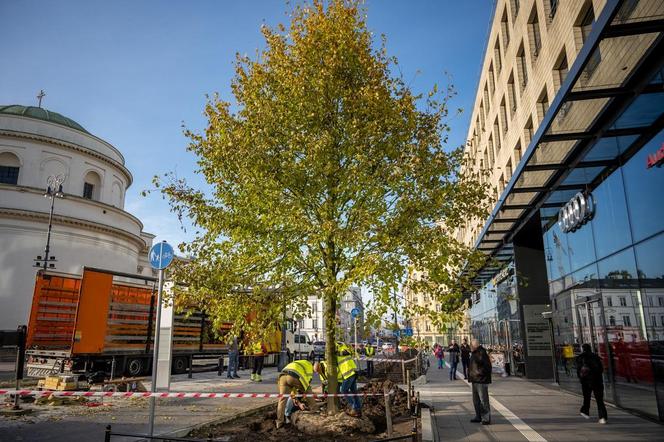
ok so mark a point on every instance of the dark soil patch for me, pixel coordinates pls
(261, 427)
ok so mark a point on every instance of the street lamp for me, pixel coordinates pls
(53, 190)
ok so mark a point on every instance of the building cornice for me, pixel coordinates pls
(72, 222)
(71, 146)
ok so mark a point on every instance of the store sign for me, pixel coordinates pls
(504, 273)
(578, 211)
(538, 334)
(656, 159)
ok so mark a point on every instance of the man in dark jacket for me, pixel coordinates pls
(465, 357)
(589, 369)
(479, 374)
(453, 359)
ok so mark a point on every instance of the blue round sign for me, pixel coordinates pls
(161, 255)
(355, 312)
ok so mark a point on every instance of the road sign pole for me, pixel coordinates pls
(356, 354)
(155, 353)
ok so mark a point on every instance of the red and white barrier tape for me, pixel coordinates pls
(364, 358)
(174, 395)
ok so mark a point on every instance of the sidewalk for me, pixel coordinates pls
(522, 410)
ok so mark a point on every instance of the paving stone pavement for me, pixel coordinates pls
(522, 410)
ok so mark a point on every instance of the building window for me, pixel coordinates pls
(517, 153)
(496, 53)
(511, 90)
(492, 81)
(528, 132)
(584, 28)
(508, 170)
(612, 320)
(91, 186)
(486, 100)
(542, 104)
(505, 30)
(553, 7)
(661, 319)
(314, 323)
(609, 301)
(515, 7)
(482, 116)
(534, 33)
(650, 302)
(88, 190)
(9, 168)
(496, 132)
(660, 301)
(491, 152)
(503, 115)
(522, 67)
(653, 320)
(623, 301)
(560, 70)
(627, 322)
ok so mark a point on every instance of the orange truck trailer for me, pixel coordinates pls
(104, 322)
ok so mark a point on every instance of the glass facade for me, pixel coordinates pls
(606, 279)
(495, 321)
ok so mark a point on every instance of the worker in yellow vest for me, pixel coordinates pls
(295, 378)
(258, 349)
(323, 373)
(348, 371)
(369, 352)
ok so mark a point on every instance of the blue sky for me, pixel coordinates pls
(131, 72)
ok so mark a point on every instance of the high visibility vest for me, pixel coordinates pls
(343, 349)
(302, 370)
(323, 375)
(257, 348)
(346, 366)
(369, 350)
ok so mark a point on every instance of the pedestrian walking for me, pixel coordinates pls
(453, 359)
(440, 354)
(589, 369)
(233, 359)
(479, 375)
(465, 357)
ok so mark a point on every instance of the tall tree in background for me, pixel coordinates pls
(324, 173)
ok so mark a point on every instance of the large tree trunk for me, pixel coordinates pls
(330, 348)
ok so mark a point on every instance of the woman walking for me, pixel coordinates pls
(440, 354)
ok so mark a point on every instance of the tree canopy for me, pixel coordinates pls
(324, 171)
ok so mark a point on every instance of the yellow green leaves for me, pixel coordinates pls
(323, 173)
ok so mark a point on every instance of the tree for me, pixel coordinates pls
(324, 173)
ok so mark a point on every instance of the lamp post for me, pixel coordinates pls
(53, 190)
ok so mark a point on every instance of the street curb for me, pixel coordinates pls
(182, 432)
(429, 429)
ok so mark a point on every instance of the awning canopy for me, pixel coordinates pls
(614, 91)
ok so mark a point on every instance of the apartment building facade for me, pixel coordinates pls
(567, 128)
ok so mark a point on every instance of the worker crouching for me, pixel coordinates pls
(295, 379)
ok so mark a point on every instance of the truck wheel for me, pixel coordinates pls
(179, 365)
(135, 367)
